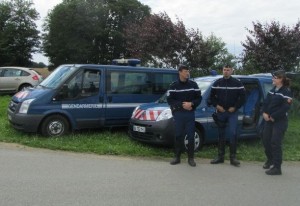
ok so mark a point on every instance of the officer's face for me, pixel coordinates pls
(184, 74)
(227, 71)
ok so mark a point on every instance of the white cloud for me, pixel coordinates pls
(227, 19)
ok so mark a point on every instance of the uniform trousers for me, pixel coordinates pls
(273, 134)
(184, 126)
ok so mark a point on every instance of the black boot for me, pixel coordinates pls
(221, 152)
(233, 160)
(268, 164)
(274, 171)
(177, 151)
(191, 147)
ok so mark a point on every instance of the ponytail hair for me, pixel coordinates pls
(286, 81)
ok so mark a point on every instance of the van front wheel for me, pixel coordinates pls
(55, 125)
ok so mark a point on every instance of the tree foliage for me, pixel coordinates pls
(19, 37)
(207, 53)
(271, 47)
(89, 31)
(159, 41)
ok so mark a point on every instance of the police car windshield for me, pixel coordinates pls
(203, 85)
(57, 76)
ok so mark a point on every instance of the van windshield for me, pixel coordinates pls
(59, 75)
(203, 85)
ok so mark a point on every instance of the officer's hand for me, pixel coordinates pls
(220, 108)
(231, 109)
(266, 117)
(187, 105)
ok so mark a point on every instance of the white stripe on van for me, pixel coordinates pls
(81, 106)
(122, 105)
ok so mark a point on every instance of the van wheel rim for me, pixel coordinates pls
(56, 128)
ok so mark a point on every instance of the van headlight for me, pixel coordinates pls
(164, 115)
(25, 106)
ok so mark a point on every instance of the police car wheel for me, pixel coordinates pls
(55, 125)
(199, 140)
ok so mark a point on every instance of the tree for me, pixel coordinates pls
(89, 31)
(271, 47)
(206, 53)
(19, 37)
(159, 41)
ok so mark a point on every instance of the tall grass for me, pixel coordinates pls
(117, 142)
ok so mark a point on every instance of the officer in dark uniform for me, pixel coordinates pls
(275, 110)
(183, 97)
(227, 95)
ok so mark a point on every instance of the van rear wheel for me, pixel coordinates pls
(55, 125)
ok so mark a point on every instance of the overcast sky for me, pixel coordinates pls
(227, 19)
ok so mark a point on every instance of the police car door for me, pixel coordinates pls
(84, 98)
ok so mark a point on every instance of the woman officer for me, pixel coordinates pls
(275, 110)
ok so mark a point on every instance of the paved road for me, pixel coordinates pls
(38, 177)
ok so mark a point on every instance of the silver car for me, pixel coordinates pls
(13, 79)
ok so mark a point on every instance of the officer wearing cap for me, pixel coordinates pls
(227, 95)
(275, 110)
(183, 97)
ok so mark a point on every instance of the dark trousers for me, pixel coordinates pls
(185, 126)
(272, 140)
(231, 119)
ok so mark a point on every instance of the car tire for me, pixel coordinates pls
(23, 86)
(55, 125)
(199, 140)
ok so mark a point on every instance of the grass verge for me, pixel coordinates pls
(106, 142)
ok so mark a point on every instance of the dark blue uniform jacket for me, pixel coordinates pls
(228, 93)
(183, 92)
(278, 103)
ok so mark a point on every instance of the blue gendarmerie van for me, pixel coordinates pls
(81, 96)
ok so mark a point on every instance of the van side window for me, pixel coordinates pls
(83, 84)
(91, 80)
(162, 82)
(119, 82)
(251, 107)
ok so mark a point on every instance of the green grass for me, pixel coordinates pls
(106, 142)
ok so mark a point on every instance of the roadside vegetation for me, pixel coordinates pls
(117, 142)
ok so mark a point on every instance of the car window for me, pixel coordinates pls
(24, 73)
(12, 73)
(124, 82)
(83, 84)
(59, 75)
(203, 85)
(267, 86)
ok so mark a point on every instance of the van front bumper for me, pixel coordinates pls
(24, 122)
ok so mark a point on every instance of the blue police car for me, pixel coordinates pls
(153, 122)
